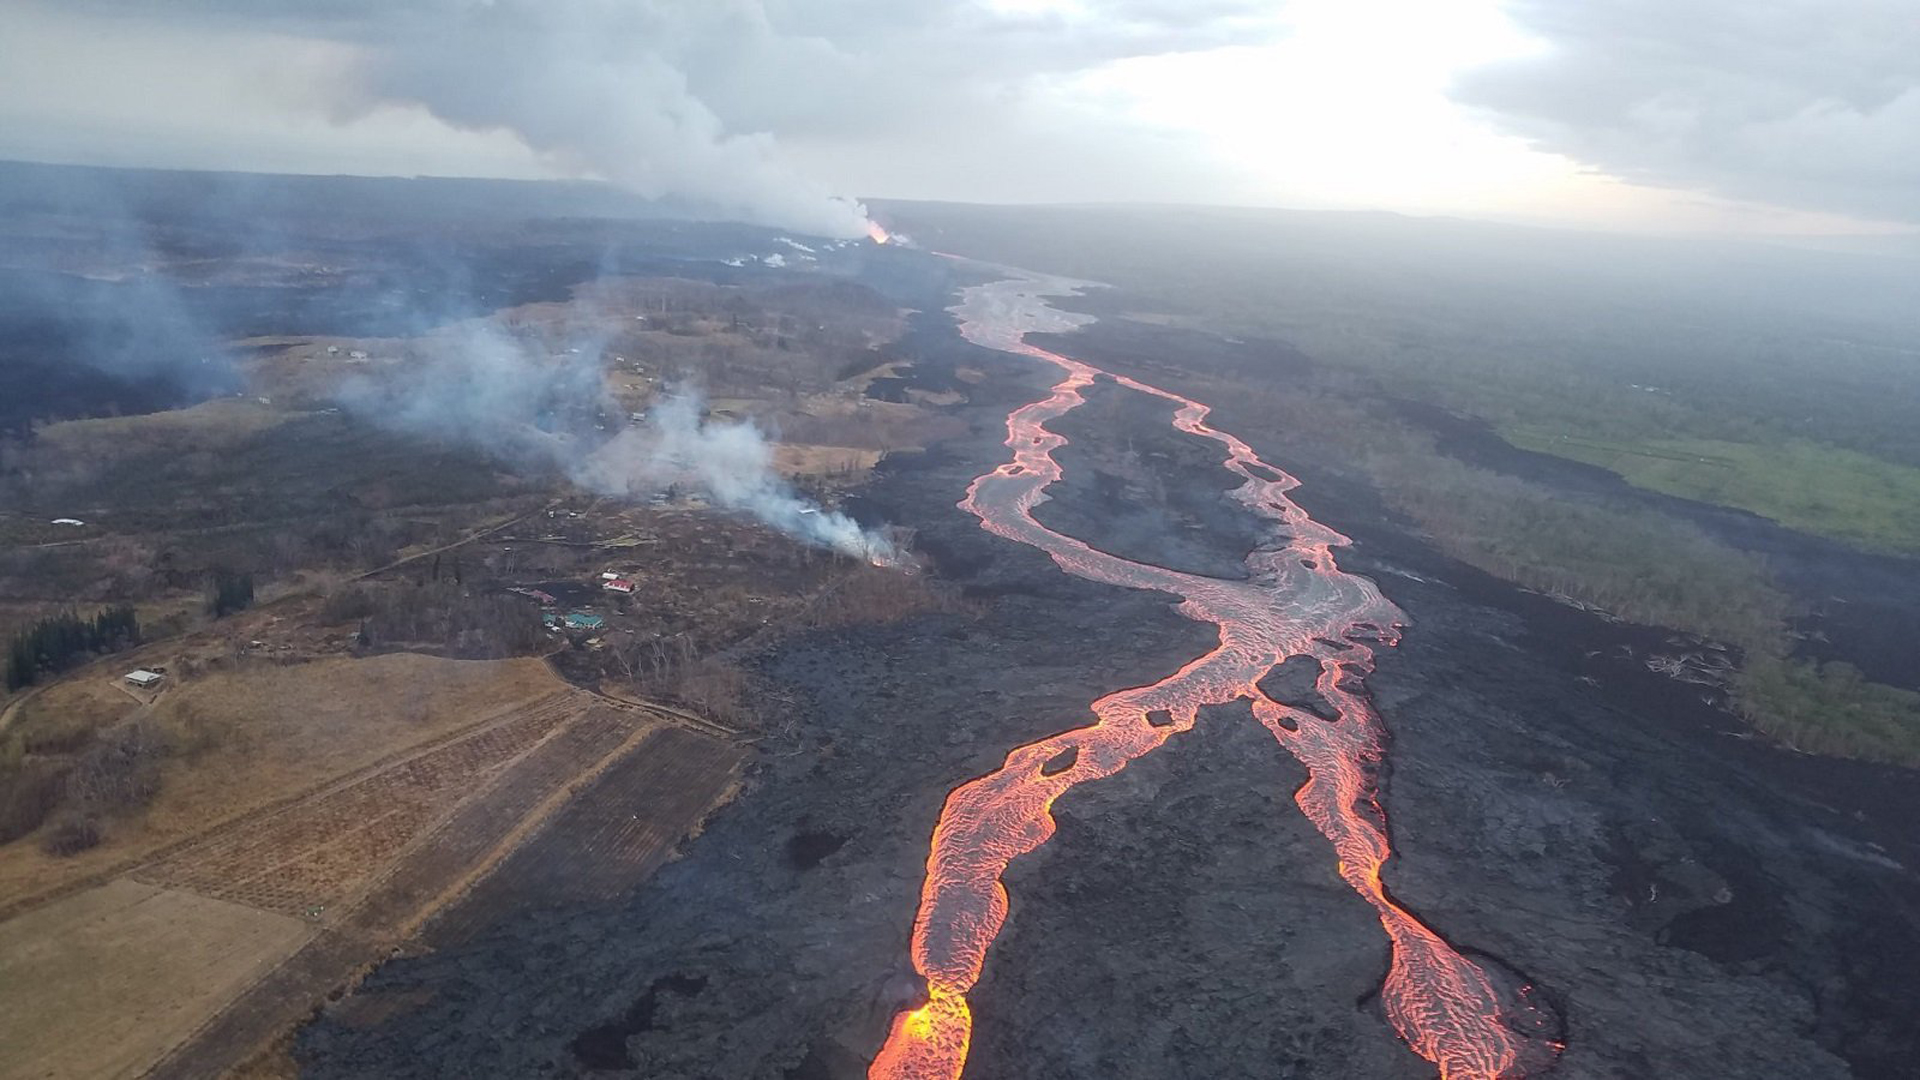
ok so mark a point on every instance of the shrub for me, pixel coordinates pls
(70, 834)
(28, 793)
(120, 771)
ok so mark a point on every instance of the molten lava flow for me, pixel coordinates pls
(877, 234)
(1295, 602)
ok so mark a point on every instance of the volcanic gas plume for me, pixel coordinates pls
(1296, 602)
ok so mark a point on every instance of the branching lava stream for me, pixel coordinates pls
(1295, 602)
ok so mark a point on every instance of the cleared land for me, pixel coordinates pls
(399, 721)
(605, 797)
(198, 959)
(257, 732)
(309, 857)
(104, 981)
(610, 838)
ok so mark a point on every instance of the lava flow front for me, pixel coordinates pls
(1295, 602)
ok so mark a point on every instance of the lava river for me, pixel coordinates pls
(1469, 1020)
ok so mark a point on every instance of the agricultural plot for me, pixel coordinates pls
(604, 843)
(490, 822)
(609, 838)
(309, 857)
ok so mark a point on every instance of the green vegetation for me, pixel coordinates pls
(1829, 709)
(1627, 561)
(1648, 568)
(1817, 489)
(61, 641)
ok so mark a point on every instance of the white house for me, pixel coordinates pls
(144, 679)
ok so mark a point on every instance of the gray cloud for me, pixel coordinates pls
(670, 97)
(1805, 103)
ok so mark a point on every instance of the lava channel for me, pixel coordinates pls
(1295, 602)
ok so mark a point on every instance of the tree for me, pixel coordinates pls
(228, 592)
(58, 641)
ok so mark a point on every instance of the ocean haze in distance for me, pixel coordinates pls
(1698, 115)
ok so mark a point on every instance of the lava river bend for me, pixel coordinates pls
(1469, 1020)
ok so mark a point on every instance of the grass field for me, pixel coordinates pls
(99, 983)
(247, 736)
(1816, 489)
(308, 858)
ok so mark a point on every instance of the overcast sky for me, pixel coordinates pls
(1752, 115)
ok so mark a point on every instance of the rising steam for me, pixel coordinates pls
(598, 88)
(485, 390)
(731, 462)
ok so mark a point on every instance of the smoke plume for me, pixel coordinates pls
(596, 88)
(485, 390)
(731, 462)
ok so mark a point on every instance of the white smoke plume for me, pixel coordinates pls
(598, 88)
(483, 389)
(732, 462)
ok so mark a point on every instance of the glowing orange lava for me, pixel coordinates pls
(1295, 602)
(877, 234)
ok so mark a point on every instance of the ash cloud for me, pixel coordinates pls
(486, 391)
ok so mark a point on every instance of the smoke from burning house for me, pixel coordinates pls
(486, 391)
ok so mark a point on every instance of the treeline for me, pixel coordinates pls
(865, 595)
(1652, 569)
(1830, 709)
(58, 642)
(442, 616)
(1627, 560)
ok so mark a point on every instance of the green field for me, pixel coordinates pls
(1824, 490)
(1829, 709)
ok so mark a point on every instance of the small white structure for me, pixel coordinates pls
(609, 575)
(68, 521)
(144, 679)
